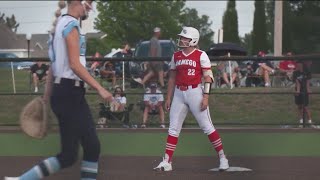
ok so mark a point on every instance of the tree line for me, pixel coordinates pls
(133, 21)
(10, 22)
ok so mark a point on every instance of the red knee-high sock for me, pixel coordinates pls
(170, 147)
(216, 143)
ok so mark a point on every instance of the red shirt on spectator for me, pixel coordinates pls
(287, 65)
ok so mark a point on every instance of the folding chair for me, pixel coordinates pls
(41, 83)
(106, 114)
(152, 114)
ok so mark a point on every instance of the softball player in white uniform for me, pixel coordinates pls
(66, 79)
(188, 67)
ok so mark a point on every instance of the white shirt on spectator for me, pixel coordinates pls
(121, 100)
(153, 98)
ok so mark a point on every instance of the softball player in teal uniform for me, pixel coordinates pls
(65, 87)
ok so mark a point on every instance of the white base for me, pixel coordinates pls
(232, 169)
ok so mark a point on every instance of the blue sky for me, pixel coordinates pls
(37, 16)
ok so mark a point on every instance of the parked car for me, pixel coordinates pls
(142, 50)
(16, 65)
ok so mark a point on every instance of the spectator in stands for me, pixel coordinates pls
(126, 50)
(39, 73)
(287, 68)
(108, 72)
(95, 64)
(302, 76)
(263, 68)
(153, 101)
(154, 67)
(93, 68)
(117, 109)
(252, 78)
(125, 53)
(119, 102)
(226, 69)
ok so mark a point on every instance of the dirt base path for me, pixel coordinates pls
(185, 168)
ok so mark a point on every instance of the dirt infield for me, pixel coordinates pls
(185, 168)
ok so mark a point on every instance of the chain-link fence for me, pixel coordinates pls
(247, 104)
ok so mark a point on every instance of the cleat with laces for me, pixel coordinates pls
(164, 166)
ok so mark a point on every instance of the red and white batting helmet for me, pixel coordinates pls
(190, 33)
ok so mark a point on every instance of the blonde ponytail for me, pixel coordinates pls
(61, 5)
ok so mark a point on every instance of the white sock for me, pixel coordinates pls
(301, 121)
(309, 121)
(221, 154)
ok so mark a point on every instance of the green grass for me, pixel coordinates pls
(190, 144)
(22, 80)
(224, 108)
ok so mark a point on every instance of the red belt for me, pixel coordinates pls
(184, 88)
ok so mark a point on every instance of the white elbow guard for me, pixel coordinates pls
(208, 73)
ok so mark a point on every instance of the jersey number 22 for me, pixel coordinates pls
(191, 72)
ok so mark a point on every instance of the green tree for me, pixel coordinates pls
(230, 23)
(10, 22)
(305, 26)
(2, 20)
(97, 45)
(300, 25)
(259, 32)
(246, 42)
(133, 21)
(190, 18)
(269, 7)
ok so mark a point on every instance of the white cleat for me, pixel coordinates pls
(11, 178)
(224, 164)
(164, 166)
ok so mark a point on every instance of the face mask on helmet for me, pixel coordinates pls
(183, 43)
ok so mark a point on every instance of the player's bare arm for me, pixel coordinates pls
(171, 84)
(48, 86)
(72, 41)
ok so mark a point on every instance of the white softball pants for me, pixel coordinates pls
(181, 103)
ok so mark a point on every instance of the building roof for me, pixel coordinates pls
(38, 43)
(10, 40)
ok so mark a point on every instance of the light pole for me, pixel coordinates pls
(278, 28)
(28, 37)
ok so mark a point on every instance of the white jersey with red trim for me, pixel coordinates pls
(189, 66)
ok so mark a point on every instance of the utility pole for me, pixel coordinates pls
(220, 35)
(278, 28)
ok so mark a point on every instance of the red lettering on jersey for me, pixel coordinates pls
(188, 68)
